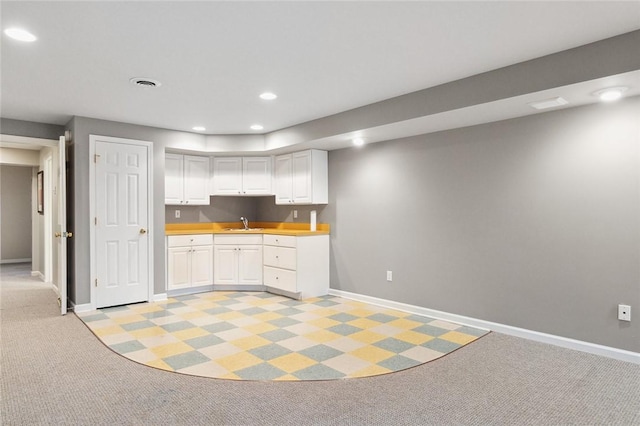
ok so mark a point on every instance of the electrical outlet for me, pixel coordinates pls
(624, 312)
(177, 214)
(295, 214)
(389, 276)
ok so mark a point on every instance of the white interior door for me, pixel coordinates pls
(121, 223)
(62, 234)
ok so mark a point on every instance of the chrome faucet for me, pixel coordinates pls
(245, 222)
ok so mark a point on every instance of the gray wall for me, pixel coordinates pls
(16, 211)
(30, 129)
(531, 222)
(81, 128)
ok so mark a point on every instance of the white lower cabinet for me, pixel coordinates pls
(237, 260)
(297, 265)
(189, 261)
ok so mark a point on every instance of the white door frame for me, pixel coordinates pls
(92, 208)
(25, 142)
(48, 218)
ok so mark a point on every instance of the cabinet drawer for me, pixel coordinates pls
(189, 240)
(238, 239)
(280, 240)
(280, 278)
(280, 257)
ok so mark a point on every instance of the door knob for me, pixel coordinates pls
(68, 234)
(143, 231)
(57, 235)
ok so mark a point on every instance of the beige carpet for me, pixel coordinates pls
(55, 372)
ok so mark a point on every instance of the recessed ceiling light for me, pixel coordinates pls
(144, 82)
(358, 141)
(268, 96)
(610, 94)
(20, 34)
(257, 127)
(549, 103)
(199, 128)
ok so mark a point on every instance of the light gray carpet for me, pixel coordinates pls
(54, 371)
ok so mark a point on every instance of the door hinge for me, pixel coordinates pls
(96, 282)
(95, 157)
(95, 220)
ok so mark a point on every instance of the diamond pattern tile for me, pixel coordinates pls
(261, 336)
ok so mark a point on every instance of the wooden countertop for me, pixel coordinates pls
(277, 228)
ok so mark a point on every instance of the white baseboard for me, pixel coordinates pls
(159, 297)
(85, 307)
(37, 274)
(564, 342)
(55, 289)
(25, 260)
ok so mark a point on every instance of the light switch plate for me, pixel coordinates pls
(624, 312)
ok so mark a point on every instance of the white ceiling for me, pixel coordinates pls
(321, 58)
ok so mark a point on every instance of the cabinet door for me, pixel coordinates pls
(301, 177)
(178, 266)
(196, 180)
(283, 184)
(225, 264)
(173, 181)
(201, 265)
(256, 175)
(250, 264)
(227, 176)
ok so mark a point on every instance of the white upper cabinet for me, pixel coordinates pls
(227, 176)
(186, 179)
(173, 179)
(256, 176)
(241, 176)
(302, 178)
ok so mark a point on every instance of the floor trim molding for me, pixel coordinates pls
(160, 297)
(85, 307)
(564, 342)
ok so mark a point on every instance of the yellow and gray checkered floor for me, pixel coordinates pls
(262, 336)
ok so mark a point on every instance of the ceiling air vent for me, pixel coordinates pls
(144, 82)
(549, 103)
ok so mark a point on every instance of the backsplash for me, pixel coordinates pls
(230, 209)
(220, 209)
(268, 211)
